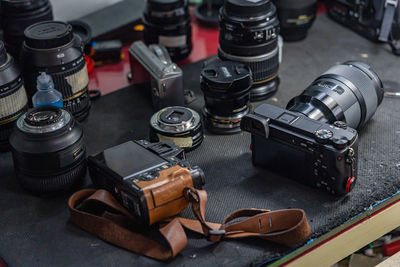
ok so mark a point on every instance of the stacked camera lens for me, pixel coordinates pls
(226, 86)
(350, 92)
(52, 47)
(48, 150)
(249, 34)
(13, 99)
(17, 15)
(296, 18)
(167, 22)
(180, 125)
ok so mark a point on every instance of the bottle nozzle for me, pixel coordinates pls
(44, 82)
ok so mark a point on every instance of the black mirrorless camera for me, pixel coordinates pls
(377, 20)
(315, 140)
(147, 178)
(313, 152)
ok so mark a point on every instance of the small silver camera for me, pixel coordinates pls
(153, 63)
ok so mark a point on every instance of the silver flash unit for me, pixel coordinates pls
(166, 77)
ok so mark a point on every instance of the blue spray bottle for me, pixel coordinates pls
(46, 95)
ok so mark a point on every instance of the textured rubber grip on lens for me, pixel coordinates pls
(48, 184)
(265, 69)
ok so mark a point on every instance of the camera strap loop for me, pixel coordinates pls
(99, 213)
(390, 9)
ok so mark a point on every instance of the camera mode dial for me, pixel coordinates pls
(322, 136)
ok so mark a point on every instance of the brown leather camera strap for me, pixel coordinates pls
(97, 212)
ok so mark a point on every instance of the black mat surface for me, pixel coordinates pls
(36, 232)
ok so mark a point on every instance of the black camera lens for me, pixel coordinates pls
(13, 99)
(167, 22)
(17, 15)
(296, 18)
(180, 125)
(350, 92)
(52, 47)
(249, 34)
(226, 86)
(48, 150)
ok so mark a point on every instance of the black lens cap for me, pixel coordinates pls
(175, 115)
(42, 116)
(226, 75)
(48, 34)
(3, 53)
(165, 5)
(83, 30)
(247, 8)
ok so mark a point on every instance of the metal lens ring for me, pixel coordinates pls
(180, 125)
(43, 120)
(224, 125)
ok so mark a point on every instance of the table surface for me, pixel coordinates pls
(36, 232)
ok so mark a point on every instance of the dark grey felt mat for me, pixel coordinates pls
(36, 232)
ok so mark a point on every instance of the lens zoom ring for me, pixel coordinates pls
(261, 70)
(53, 183)
(71, 82)
(265, 69)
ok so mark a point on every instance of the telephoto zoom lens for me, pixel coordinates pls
(350, 92)
(296, 18)
(226, 86)
(167, 22)
(13, 99)
(52, 47)
(182, 126)
(48, 150)
(249, 34)
(17, 15)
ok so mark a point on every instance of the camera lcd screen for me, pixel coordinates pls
(129, 159)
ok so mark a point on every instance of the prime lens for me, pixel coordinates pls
(182, 126)
(249, 34)
(167, 22)
(48, 150)
(13, 99)
(296, 18)
(349, 92)
(17, 15)
(226, 86)
(52, 47)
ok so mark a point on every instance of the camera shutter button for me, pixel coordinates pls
(323, 135)
(340, 142)
(340, 124)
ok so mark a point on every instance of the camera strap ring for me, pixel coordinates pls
(99, 213)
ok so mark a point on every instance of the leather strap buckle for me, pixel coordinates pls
(191, 195)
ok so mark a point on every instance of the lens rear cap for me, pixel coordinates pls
(176, 115)
(48, 34)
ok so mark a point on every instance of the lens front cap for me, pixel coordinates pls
(48, 34)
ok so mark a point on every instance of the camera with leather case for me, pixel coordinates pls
(146, 178)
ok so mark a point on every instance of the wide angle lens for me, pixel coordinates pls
(349, 92)
(167, 22)
(13, 99)
(48, 150)
(52, 47)
(249, 33)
